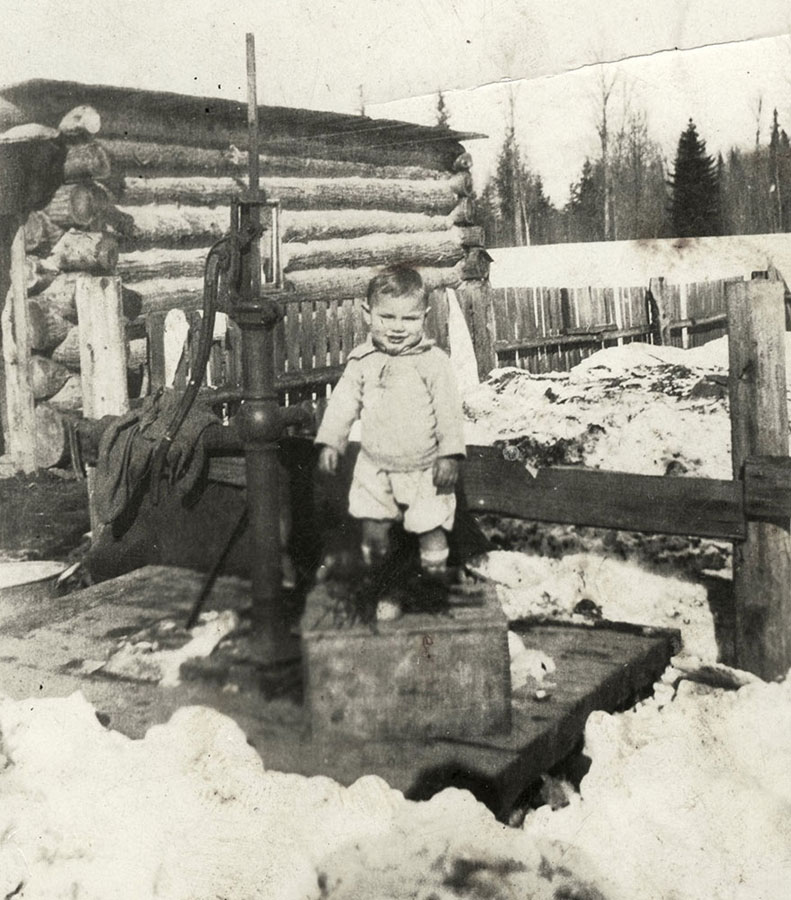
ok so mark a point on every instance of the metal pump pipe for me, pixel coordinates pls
(260, 421)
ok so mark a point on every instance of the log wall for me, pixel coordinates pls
(349, 207)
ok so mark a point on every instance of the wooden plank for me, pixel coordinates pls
(464, 693)
(570, 339)
(759, 427)
(20, 437)
(577, 496)
(346, 323)
(307, 342)
(502, 327)
(598, 668)
(358, 323)
(584, 307)
(333, 333)
(102, 359)
(437, 318)
(660, 306)
(155, 336)
(683, 305)
(767, 487)
(475, 299)
(292, 326)
(321, 338)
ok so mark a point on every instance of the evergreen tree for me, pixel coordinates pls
(695, 208)
(585, 210)
(779, 176)
(443, 116)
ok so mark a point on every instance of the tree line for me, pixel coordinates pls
(628, 191)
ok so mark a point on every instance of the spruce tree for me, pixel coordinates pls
(443, 116)
(585, 209)
(695, 207)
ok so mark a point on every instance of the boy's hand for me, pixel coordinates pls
(446, 471)
(328, 460)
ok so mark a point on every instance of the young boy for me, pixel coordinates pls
(402, 389)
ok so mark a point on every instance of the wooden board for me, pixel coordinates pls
(20, 436)
(574, 495)
(42, 648)
(422, 675)
(759, 426)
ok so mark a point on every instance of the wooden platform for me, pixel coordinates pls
(42, 651)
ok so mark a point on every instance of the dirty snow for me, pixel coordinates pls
(534, 587)
(637, 408)
(142, 658)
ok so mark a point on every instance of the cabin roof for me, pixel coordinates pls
(46, 101)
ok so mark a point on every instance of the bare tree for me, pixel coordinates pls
(606, 86)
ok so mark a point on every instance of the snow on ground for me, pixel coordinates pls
(534, 587)
(190, 812)
(687, 797)
(636, 408)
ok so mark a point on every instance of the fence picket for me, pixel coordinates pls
(333, 333)
(306, 352)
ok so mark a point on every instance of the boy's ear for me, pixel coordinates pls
(366, 314)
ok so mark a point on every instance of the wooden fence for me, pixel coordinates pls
(541, 329)
(545, 329)
(312, 342)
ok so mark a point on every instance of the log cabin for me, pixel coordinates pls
(146, 186)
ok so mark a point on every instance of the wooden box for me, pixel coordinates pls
(421, 676)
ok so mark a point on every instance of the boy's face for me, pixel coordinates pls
(396, 323)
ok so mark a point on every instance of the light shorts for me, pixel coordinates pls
(410, 497)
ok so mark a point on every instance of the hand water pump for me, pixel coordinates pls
(251, 260)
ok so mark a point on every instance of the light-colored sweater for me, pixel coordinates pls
(408, 405)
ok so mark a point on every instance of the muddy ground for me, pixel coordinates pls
(43, 516)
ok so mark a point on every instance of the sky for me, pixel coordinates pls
(718, 86)
(400, 52)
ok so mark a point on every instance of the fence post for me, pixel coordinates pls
(102, 358)
(19, 420)
(659, 310)
(759, 426)
(683, 302)
(475, 300)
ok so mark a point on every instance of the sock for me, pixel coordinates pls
(372, 554)
(434, 560)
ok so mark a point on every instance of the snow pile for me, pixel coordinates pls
(687, 797)
(570, 588)
(142, 657)
(635, 408)
(189, 812)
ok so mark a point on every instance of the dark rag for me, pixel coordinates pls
(127, 448)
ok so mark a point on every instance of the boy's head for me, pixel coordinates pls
(396, 308)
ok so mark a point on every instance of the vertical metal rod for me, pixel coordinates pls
(252, 113)
(252, 164)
